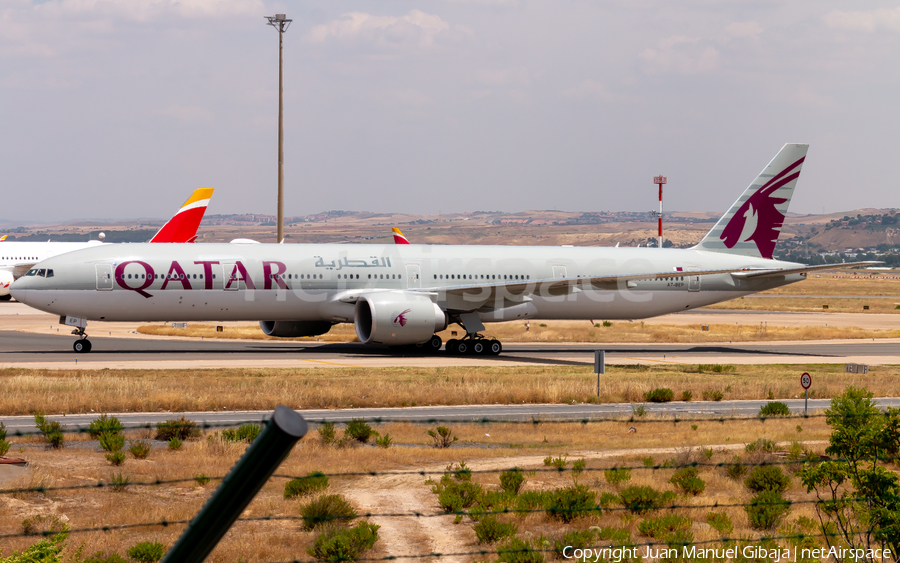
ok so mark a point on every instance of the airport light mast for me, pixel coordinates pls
(281, 23)
(660, 180)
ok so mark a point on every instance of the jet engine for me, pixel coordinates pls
(397, 318)
(6, 279)
(292, 329)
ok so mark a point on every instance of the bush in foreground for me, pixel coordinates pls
(767, 478)
(359, 430)
(139, 449)
(243, 433)
(326, 509)
(315, 481)
(511, 481)
(104, 424)
(766, 510)
(491, 530)
(688, 481)
(517, 550)
(776, 408)
(663, 395)
(443, 437)
(146, 552)
(4, 445)
(571, 502)
(644, 499)
(52, 431)
(181, 428)
(337, 543)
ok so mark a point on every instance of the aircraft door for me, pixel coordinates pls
(413, 276)
(693, 283)
(232, 279)
(104, 277)
(559, 272)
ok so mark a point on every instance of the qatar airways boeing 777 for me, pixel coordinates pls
(403, 294)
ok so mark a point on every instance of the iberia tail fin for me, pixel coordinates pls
(183, 226)
(3, 238)
(398, 237)
(752, 225)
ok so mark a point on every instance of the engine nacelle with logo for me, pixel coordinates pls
(397, 318)
(6, 279)
(294, 329)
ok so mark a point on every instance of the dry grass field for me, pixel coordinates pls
(73, 391)
(486, 449)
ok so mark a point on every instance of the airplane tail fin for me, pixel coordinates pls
(183, 226)
(752, 225)
(398, 236)
(3, 238)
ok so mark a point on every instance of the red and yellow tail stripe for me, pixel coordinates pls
(183, 226)
(3, 238)
(398, 237)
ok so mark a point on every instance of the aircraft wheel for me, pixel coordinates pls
(479, 348)
(494, 347)
(434, 344)
(82, 346)
(6, 297)
(451, 346)
(463, 347)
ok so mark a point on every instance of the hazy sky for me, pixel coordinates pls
(119, 108)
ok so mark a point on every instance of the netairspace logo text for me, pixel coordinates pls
(619, 554)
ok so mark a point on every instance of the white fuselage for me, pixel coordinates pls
(307, 282)
(17, 257)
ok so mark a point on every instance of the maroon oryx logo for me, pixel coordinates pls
(401, 318)
(758, 219)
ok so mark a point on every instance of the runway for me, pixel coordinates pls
(28, 350)
(467, 413)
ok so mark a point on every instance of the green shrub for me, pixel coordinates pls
(715, 368)
(736, 469)
(116, 458)
(529, 501)
(359, 430)
(558, 462)
(570, 503)
(512, 481)
(104, 424)
(327, 433)
(337, 543)
(687, 479)
(766, 509)
(608, 499)
(776, 408)
(52, 431)
(103, 557)
(707, 453)
(607, 324)
(146, 552)
(454, 496)
(4, 445)
(643, 499)
(617, 475)
(768, 478)
(720, 522)
(326, 509)
(443, 437)
(139, 449)
(762, 445)
(713, 395)
(44, 551)
(243, 433)
(491, 530)
(181, 428)
(384, 441)
(119, 481)
(520, 551)
(174, 443)
(315, 481)
(576, 539)
(638, 410)
(648, 461)
(663, 395)
(686, 396)
(112, 441)
(666, 527)
(202, 479)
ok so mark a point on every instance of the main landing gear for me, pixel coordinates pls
(474, 344)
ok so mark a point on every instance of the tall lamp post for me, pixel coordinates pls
(660, 180)
(281, 23)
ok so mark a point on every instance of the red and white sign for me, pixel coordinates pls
(806, 380)
(659, 179)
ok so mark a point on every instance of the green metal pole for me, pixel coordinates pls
(246, 478)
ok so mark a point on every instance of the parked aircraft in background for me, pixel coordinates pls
(403, 294)
(398, 236)
(3, 238)
(16, 258)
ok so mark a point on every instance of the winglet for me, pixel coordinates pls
(752, 225)
(398, 236)
(183, 226)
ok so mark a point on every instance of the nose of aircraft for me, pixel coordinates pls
(19, 290)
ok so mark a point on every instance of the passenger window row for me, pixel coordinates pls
(481, 276)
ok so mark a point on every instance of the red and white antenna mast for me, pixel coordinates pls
(660, 180)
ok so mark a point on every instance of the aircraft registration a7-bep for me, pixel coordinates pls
(402, 294)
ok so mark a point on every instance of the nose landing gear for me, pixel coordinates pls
(82, 345)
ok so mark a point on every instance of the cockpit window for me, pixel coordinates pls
(31, 272)
(40, 272)
(49, 273)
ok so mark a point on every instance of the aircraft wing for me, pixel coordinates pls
(562, 286)
(755, 274)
